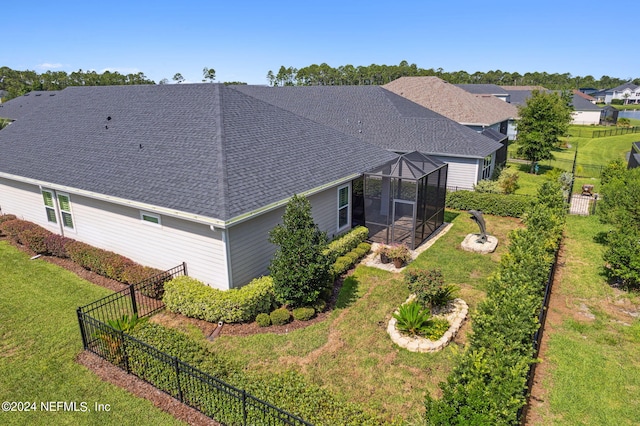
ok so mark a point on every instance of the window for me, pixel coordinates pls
(49, 206)
(486, 167)
(343, 207)
(64, 203)
(151, 218)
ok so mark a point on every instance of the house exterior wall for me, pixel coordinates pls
(120, 229)
(250, 251)
(463, 172)
(585, 117)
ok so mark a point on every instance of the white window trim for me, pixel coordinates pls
(70, 212)
(54, 208)
(148, 222)
(348, 207)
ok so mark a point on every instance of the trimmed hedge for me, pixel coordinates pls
(12, 228)
(263, 320)
(488, 383)
(304, 314)
(57, 245)
(193, 298)
(102, 262)
(344, 263)
(35, 239)
(346, 242)
(280, 316)
(489, 203)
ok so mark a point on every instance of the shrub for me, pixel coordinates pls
(412, 319)
(13, 228)
(508, 180)
(399, 251)
(7, 217)
(195, 299)
(353, 255)
(495, 204)
(280, 316)
(490, 186)
(358, 252)
(622, 257)
(304, 314)
(320, 305)
(346, 242)
(365, 246)
(436, 329)
(429, 287)
(263, 320)
(34, 239)
(102, 262)
(141, 275)
(57, 245)
(299, 269)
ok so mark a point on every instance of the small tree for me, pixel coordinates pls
(544, 118)
(299, 270)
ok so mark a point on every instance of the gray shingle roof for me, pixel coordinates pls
(581, 104)
(23, 105)
(628, 85)
(378, 116)
(483, 89)
(205, 149)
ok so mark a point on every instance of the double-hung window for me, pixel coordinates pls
(343, 207)
(58, 206)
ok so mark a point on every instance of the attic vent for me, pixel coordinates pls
(38, 94)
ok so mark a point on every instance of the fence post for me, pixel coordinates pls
(176, 365)
(134, 304)
(85, 345)
(184, 268)
(125, 358)
(244, 407)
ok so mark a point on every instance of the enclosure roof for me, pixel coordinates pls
(412, 166)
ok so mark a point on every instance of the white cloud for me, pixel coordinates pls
(49, 66)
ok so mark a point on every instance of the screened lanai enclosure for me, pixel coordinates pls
(404, 199)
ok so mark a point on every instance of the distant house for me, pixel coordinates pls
(584, 111)
(200, 173)
(486, 89)
(628, 92)
(584, 96)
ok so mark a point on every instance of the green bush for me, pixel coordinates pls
(359, 252)
(495, 204)
(346, 242)
(366, 247)
(353, 255)
(488, 382)
(304, 313)
(263, 320)
(429, 287)
(35, 239)
(280, 316)
(102, 262)
(320, 305)
(341, 265)
(412, 319)
(195, 299)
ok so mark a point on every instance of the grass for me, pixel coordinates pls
(39, 340)
(594, 363)
(351, 354)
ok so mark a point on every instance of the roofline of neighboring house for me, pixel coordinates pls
(443, 154)
(485, 124)
(217, 223)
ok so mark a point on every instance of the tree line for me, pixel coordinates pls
(17, 83)
(374, 74)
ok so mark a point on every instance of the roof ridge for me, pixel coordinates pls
(220, 145)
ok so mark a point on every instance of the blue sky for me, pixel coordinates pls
(242, 40)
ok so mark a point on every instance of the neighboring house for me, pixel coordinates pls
(634, 156)
(584, 111)
(478, 112)
(628, 92)
(599, 96)
(584, 96)
(201, 173)
(486, 89)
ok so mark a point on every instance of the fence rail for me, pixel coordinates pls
(213, 397)
(614, 131)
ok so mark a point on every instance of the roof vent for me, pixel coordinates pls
(108, 118)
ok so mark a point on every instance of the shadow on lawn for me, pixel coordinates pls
(348, 292)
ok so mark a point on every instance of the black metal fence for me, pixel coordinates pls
(222, 402)
(613, 131)
(537, 337)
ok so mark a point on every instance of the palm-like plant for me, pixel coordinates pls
(412, 319)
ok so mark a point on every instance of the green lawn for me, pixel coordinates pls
(594, 361)
(39, 339)
(351, 354)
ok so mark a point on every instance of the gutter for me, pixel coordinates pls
(216, 223)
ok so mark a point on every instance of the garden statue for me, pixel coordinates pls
(476, 216)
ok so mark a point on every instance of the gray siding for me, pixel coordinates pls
(463, 172)
(249, 249)
(120, 229)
